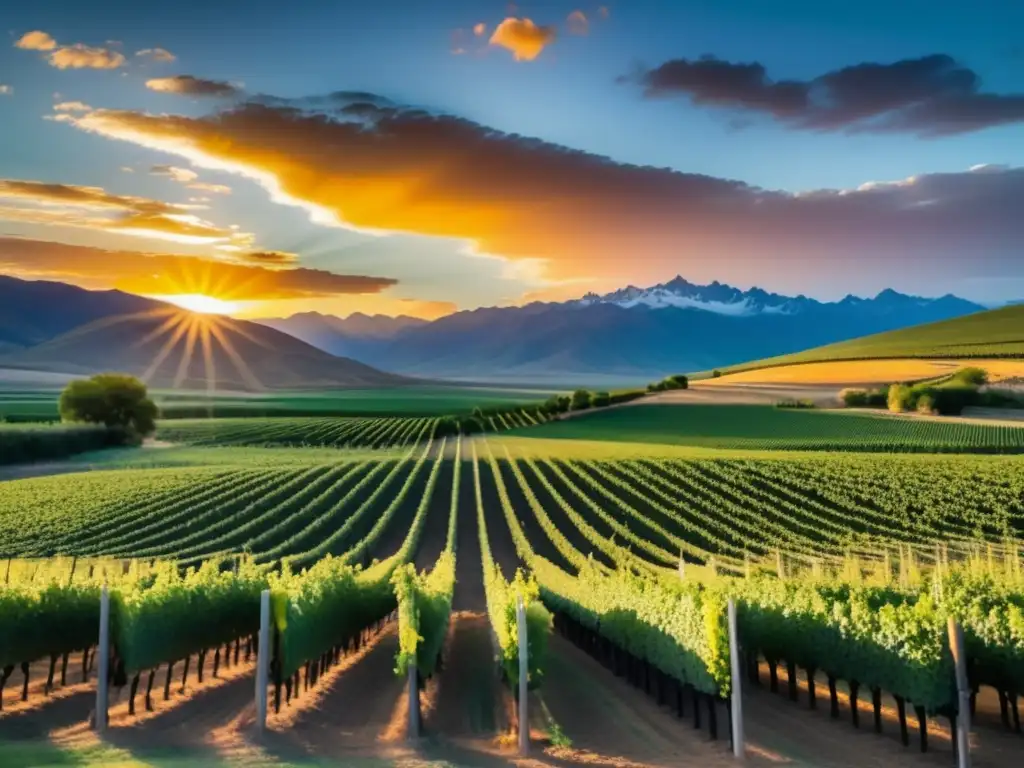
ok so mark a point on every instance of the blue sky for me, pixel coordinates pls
(569, 95)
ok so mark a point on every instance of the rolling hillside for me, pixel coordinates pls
(34, 311)
(997, 333)
(173, 348)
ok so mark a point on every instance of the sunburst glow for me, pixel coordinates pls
(200, 302)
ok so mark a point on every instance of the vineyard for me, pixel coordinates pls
(753, 427)
(846, 568)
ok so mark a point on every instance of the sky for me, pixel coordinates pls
(421, 158)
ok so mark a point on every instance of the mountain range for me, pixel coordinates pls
(628, 335)
(53, 327)
(631, 333)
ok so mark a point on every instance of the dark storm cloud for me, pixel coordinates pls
(929, 96)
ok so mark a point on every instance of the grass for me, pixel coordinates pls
(998, 333)
(755, 427)
(41, 404)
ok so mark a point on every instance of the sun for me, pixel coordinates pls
(201, 303)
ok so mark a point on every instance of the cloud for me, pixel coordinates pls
(603, 12)
(156, 54)
(386, 169)
(6, 90)
(80, 56)
(158, 274)
(72, 106)
(36, 41)
(68, 205)
(928, 96)
(77, 56)
(187, 85)
(268, 258)
(480, 29)
(578, 23)
(523, 38)
(181, 175)
(216, 189)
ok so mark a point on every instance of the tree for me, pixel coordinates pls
(580, 399)
(116, 400)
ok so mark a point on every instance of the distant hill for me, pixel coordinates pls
(349, 336)
(166, 347)
(995, 333)
(629, 334)
(34, 311)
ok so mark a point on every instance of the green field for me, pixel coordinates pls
(993, 334)
(335, 432)
(756, 427)
(41, 404)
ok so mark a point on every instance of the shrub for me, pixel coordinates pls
(678, 381)
(854, 398)
(626, 396)
(926, 404)
(716, 374)
(600, 400)
(800, 404)
(900, 398)
(580, 400)
(971, 376)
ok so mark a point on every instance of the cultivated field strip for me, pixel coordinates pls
(643, 512)
(298, 431)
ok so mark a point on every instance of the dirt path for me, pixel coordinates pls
(812, 738)
(435, 528)
(611, 723)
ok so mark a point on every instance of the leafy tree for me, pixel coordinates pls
(600, 399)
(901, 398)
(679, 381)
(580, 399)
(116, 400)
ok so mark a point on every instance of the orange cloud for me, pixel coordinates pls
(603, 12)
(79, 56)
(157, 54)
(480, 29)
(577, 216)
(578, 23)
(164, 274)
(68, 205)
(36, 41)
(523, 38)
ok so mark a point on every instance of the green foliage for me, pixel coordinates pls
(325, 606)
(796, 404)
(112, 399)
(40, 619)
(676, 381)
(600, 400)
(875, 636)
(767, 428)
(376, 432)
(170, 617)
(900, 398)
(581, 400)
(424, 610)
(679, 629)
(41, 442)
(502, 599)
(865, 398)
